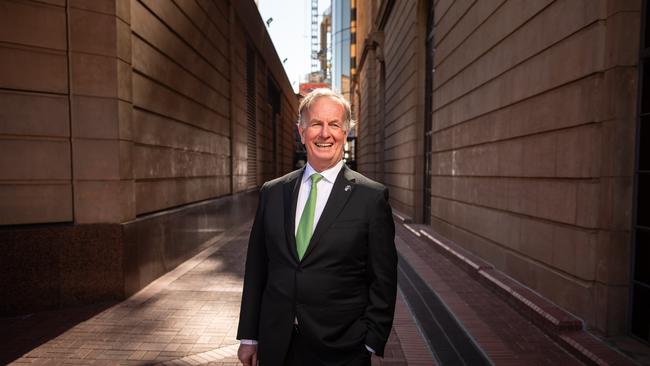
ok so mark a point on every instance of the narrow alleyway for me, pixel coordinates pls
(189, 316)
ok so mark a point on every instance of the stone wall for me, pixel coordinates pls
(533, 137)
(36, 163)
(116, 109)
(181, 115)
(121, 112)
(534, 144)
(391, 101)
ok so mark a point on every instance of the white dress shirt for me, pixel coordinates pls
(324, 188)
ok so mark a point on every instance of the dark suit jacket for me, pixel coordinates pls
(342, 292)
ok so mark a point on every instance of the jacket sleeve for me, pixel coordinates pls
(254, 276)
(382, 274)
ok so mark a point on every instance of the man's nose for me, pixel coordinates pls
(325, 131)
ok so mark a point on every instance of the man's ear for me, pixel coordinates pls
(301, 131)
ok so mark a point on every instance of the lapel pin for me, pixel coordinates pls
(347, 188)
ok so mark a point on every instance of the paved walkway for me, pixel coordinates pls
(189, 317)
(191, 310)
(502, 333)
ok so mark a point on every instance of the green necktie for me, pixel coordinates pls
(306, 225)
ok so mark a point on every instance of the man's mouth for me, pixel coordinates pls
(322, 144)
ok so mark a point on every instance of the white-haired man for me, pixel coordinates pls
(321, 269)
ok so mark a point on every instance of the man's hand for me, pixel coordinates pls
(247, 354)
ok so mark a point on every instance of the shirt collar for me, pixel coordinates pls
(328, 174)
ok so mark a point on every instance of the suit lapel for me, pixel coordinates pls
(341, 192)
(291, 189)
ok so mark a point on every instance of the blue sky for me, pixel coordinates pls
(290, 32)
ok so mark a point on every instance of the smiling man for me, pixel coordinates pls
(321, 268)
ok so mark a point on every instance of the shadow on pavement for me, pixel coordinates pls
(21, 334)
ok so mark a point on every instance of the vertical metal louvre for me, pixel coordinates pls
(640, 286)
(274, 98)
(428, 117)
(251, 117)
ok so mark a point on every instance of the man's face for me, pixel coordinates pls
(323, 133)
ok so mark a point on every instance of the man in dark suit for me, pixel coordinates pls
(321, 268)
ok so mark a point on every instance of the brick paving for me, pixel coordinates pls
(189, 317)
(503, 334)
(189, 311)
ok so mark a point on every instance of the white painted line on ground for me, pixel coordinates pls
(451, 250)
(412, 230)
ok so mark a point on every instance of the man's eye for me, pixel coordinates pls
(334, 125)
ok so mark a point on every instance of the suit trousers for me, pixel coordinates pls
(299, 355)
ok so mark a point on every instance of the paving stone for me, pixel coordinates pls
(190, 317)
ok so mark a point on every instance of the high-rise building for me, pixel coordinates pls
(341, 47)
